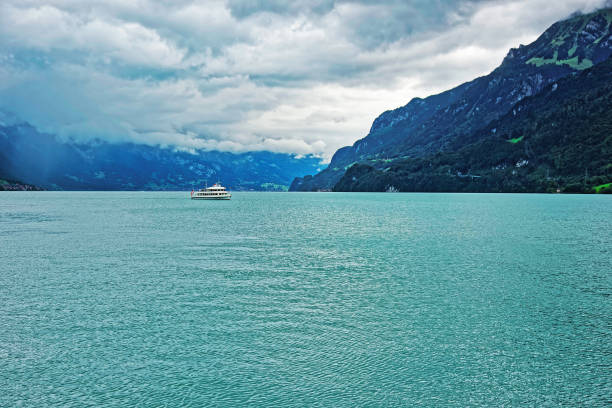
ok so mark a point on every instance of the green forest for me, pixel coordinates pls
(557, 141)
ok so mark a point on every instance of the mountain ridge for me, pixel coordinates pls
(436, 123)
(43, 160)
(559, 140)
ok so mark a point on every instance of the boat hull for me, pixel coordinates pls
(211, 198)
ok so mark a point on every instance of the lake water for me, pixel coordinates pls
(293, 299)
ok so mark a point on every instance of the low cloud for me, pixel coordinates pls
(303, 77)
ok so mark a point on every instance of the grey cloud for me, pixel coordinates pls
(368, 23)
(246, 8)
(372, 24)
(300, 76)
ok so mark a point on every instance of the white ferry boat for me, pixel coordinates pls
(216, 192)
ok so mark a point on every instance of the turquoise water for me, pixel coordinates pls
(297, 299)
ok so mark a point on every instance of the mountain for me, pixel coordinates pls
(557, 140)
(43, 160)
(12, 185)
(448, 121)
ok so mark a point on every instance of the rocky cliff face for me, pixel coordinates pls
(449, 120)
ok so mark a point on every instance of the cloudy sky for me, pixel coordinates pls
(301, 76)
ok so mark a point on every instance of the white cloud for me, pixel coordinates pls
(301, 77)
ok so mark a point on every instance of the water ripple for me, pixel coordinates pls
(150, 299)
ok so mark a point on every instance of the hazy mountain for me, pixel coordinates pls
(448, 121)
(41, 159)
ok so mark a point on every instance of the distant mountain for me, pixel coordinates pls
(12, 185)
(558, 140)
(43, 160)
(449, 121)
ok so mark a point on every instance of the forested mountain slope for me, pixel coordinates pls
(445, 122)
(558, 140)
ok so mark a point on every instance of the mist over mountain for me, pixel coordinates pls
(41, 159)
(301, 77)
(108, 97)
(452, 120)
